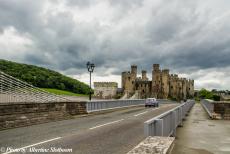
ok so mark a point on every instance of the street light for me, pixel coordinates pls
(90, 70)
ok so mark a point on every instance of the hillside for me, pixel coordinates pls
(42, 77)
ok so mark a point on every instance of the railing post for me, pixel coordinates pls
(159, 128)
(180, 117)
(147, 130)
(174, 123)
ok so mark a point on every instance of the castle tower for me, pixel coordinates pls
(144, 75)
(123, 79)
(173, 89)
(165, 83)
(134, 71)
(191, 88)
(128, 80)
(179, 89)
(184, 85)
(156, 81)
(156, 67)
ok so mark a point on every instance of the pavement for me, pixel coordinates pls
(108, 133)
(201, 135)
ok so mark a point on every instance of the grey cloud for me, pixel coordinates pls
(80, 3)
(175, 34)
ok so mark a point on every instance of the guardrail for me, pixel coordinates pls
(166, 123)
(100, 105)
(208, 106)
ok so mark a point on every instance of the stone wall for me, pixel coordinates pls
(105, 89)
(222, 108)
(24, 114)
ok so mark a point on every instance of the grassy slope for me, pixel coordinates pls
(42, 77)
(63, 92)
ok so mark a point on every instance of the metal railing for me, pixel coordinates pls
(166, 123)
(208, 106)
(100, 105)
(13, 90)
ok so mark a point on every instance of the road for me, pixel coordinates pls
(112, 132)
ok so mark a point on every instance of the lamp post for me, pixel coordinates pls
(90, 67)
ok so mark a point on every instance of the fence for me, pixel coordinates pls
(166, 123)
(112, 104)
(99, 105)
(208, 106)
(13, 90)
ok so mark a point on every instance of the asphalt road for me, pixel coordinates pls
(112, 132)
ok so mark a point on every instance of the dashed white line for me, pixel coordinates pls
(107, 124)
(155, 109)
(11, 151)
(140, 113)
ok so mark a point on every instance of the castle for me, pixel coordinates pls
(105, 90)
(162, 86)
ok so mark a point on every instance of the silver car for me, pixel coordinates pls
(151, 102)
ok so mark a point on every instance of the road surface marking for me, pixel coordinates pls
(140, 113)
(107, 124)
(34, 144)
(155, 108)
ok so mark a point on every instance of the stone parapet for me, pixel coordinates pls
(154, 145)
(24, 114)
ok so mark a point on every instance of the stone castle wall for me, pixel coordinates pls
(105, 89)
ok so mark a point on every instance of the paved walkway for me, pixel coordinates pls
(200, 135)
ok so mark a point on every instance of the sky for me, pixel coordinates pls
(190, 37)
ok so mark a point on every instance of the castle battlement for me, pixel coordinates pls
(106, 84)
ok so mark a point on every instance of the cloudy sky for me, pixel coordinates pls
(190, 37)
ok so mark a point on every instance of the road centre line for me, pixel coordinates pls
(140, 113)
(106, 124)
(11, 151)
(155, 109)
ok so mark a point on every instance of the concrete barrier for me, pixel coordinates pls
(166, 123)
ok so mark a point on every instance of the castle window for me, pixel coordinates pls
(171, 87)
(143, 91)
(129, 78)
(132, 82)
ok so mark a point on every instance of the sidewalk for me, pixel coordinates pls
(200, 135)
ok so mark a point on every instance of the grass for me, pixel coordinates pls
(63, 92)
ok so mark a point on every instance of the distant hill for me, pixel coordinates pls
(42, 77)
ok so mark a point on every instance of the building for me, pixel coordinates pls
(105, 90)
(163, 84)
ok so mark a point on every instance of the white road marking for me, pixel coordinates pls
(34, 144)
(107, 124)
(155, 109)
(140, 113)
